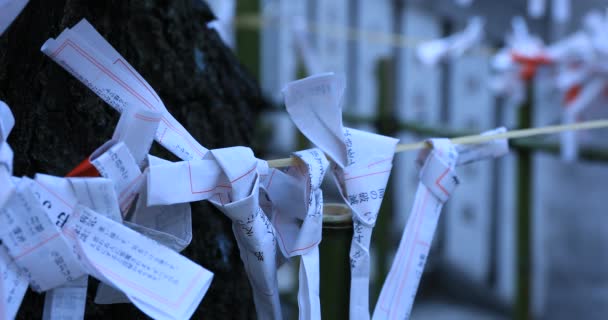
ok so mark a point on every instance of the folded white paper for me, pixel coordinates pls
(118, 165)
(507, 79)
(362, 165)
(67, 301)
(159, 281)
(437, 182)
(253, 230)
(169, 225)
(186, 181)
(13, 284)
(297, 206)
(430, 53)
(362, 185)
(314, 105)
(32, 237)
(58, 197)
(136, 129)
(84, 53)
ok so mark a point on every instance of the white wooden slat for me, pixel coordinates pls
(331, 23)
(377, 17)
(278, 55)
(417, 99)
(469, 214)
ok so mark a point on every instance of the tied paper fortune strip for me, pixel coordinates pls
(121, 160)
(362, 163)
(31, 237)
(230, 179)
(62, 200)
(84, 53)
(297, 205)
(159, 281)
(13, 282)
(122, 157)
(170, 225)
(432, 52)
(69, 300)
(254, 233)
(437, 182)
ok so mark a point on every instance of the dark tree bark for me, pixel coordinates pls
(59, 121)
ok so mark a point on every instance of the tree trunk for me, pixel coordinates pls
(59, 121)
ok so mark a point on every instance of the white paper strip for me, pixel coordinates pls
(84, 53)
(159, 281)
(13, 284)
(430, 53)
(437, 182)
(31, 237)
(253, 230)
(66, 302)
(297, 205)
(363, 163)
(170, 225)
(186, 181)
(118, 165)
(314, 105)
(136, 129)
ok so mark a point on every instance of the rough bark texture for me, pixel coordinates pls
(59, 121)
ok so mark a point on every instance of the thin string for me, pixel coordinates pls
(335, 31)
(476, 139)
